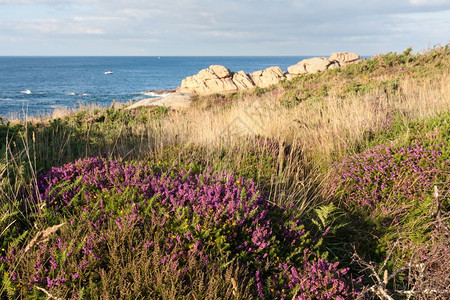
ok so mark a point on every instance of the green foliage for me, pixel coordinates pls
(259, 91)
(366, 76)
(403, 131)
(328, 217)
(311, 92)
(107, 131)
(407, 52)
(198, 227)
(27, 149)
(354, 88)
(257, 160)
(6, 283)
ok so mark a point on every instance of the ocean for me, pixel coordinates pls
(35, 86)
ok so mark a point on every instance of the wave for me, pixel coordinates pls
(75, 94)
(155, 95)
(35, 93)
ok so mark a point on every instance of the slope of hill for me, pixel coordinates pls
(330, 185)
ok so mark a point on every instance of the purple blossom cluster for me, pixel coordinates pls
(312, 274)
(383, 178)
(207, 216)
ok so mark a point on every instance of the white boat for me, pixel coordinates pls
(109, 72)
(28, 92)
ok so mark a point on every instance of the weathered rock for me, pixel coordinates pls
(344, 58)
(267, 77)
(192, 83)
(220, 85)
(242, 80)
(218, 79)
(220, 71)
(297, 69)
(334, 65)
(205, 74)
(214, 79)
(310, 66)
(213, 72)
(290, 76)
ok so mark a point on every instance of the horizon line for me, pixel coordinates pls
(293, 55)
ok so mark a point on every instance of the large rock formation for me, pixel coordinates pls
(211, 80)
(310, 66)
(344, 58)
(267, 77)
(242, 80)
(218, 79)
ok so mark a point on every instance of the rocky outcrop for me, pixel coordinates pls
(321, 64)
(220, 71)
(310, 66)
(344, 58)
(218, 79)
(267, 77)
(243, 81)
(211, 80)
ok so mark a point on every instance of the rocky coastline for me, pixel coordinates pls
(219, 79)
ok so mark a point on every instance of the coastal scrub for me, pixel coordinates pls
(178, 218)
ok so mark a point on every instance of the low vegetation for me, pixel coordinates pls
(330, 186)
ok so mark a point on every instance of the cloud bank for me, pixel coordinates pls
(207, 27)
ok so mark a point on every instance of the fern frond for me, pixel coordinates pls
(7, 285)
(328, 216)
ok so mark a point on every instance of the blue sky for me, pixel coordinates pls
(219, 27)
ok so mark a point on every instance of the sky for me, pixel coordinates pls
(220, 27)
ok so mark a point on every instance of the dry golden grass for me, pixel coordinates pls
(322, 127)
(321, 131)
(318, 131)
(314, 133)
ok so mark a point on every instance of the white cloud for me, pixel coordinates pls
(429, 2)
(231, 27)
(96, 19)
(55, 27)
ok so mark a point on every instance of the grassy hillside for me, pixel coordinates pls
(330, 185)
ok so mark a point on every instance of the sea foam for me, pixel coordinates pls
(155, 95)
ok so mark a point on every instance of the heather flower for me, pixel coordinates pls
(382, 178)
(208, 216)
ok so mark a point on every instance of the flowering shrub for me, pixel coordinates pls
(118, 214)
(306, 280)
(382, 178)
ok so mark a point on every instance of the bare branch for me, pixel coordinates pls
(50, 296)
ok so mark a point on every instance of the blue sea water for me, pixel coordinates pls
(37, 85)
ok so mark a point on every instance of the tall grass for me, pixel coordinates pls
(286, 138)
